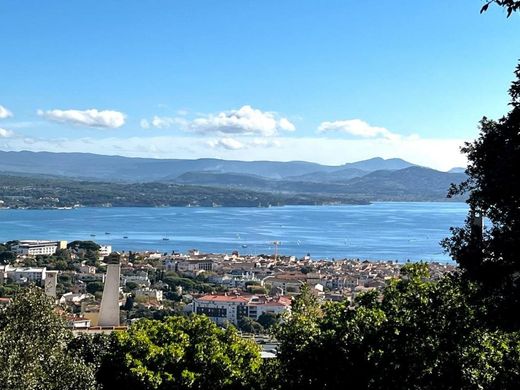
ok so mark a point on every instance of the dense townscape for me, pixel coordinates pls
(155, 285)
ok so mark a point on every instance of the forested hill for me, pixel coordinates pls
(35, 179)
(33, 192)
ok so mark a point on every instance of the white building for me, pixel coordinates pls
(24, 274)
(74, 298)
(196, 265)
(230, 308)
(140, 280)
(105, 250)
(38, 247)
(149, 293)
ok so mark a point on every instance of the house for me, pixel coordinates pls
(149, 293)
(23, 274)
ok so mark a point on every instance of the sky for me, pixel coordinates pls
(332, 81)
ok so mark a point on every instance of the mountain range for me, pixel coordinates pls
(101, 167)
(369, 180)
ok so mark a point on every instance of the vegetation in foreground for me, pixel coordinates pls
(459, 332)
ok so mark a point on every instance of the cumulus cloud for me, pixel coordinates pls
(357, 128)
(4, 133)
(91, 118)
(5, 113)
(244, 121)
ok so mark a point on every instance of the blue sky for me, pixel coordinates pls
(331, 81)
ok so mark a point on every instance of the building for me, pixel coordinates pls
(38, 247)
(87, 269)
(23, 274)
(231, 308)
(141, 279)
(50, 283)
(105, 250)
(149, 293)
(289, 284)
(196, 265)
(109, 308)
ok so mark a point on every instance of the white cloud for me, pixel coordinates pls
(244, 143)
(5, 113)
(286, 125)
(91, 118)
(244, 121)
(358, 128)
(263, 142)
(163, 122)
(4, 133)
(226, 143)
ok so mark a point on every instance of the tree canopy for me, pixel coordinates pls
(491, 256)
(33, 347)
(421, 334)
(175, 353)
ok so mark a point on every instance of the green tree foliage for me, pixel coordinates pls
(510, 5)
(493, 258)
(419, 334)
(7, 257)
(177, 353)
(85, 245)
(268, 320)
(33, 347)
(94, 287)
(248, 325)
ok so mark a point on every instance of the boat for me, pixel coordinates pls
(125, 236)
(244, 246)
(166, 239)
(107, 232)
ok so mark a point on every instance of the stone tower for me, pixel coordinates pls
(109, 310)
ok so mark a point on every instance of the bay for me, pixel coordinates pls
(380, 231)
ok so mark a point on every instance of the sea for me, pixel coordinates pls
(383, 231)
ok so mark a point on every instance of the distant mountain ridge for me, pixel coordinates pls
(131, 169)
(369, 180)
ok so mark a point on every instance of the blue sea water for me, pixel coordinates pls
(381, 231)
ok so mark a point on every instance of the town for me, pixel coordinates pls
(251, 292)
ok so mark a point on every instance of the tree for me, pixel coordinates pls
(85, 245)
(129, 303)
(509, 5)
(268, 320)
(492, 256)
(33, 347)
(176, 353)
(248, 325)
(94, 287)
(419, 334)
(7, 257)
